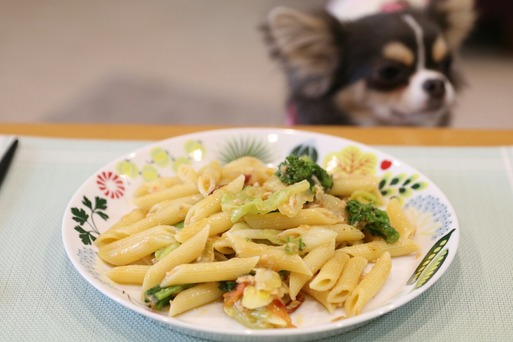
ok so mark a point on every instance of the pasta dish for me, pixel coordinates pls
(259, 240)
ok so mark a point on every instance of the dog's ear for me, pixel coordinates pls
(304, 44)
(456, 17)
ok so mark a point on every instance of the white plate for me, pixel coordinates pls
(107, 195)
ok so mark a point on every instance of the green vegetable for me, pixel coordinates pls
(158, 297)
(227, 286)
(162, 252)
(372, 219)
(249, 201)
(294, 245)
(295, 169)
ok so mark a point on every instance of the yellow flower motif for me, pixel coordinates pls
(149, 173)
(127, 168)
(351, 161)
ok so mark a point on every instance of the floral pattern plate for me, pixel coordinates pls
(107, 194)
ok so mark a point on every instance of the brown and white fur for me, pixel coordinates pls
(392, 68)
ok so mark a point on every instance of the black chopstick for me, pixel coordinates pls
(5, 162)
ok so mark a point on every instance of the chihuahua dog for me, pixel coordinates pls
(389, 68)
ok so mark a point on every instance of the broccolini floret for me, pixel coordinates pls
(294, 169)
(158, 297)
(372, 219)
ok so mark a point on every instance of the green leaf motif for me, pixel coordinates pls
(88, 235)
(306, 150)
(103, 215)
(400, 185)
(87, 202)
(430, 255)
(245, 147)
(79, 215)
(432, 268)
(100, 203)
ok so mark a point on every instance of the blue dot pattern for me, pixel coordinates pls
(438, 210)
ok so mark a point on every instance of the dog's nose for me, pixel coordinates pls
(434, 87)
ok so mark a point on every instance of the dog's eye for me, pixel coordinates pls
(446, 64)
(389, 72)
(389, 75)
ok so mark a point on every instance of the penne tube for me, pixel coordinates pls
(223, 245)
(259, 173)
(205, 272)
(346, 232)
(156, 185)
(271, 257)
(192, 199)
(398, 219)
(330, 272)
(132, 217)
(185, 253)
(345, 185)
(195, 297)
(129, 274)
(331, 202)
(373, 250)
(212, 203)
(219, 223)
(270, 235)
(209, 178)
(170, 215)
(348, 280)
(321, 297)
(187, 174)
(370, 285)
(145, 202)
(137, 246)
(314, 261)
(310, 216)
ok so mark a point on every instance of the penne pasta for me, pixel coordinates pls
(129, 274)
(185, 253)
(259, 173)
(271, 257)
(169, 215)
(314, 261)
(137, 246)
(108, 236)
(209, 271)
(194, 297)
(157, 185)
(369, 286)
(398, 219)
(212, 203)
(219, 223)
(345, 185)
(321, 297)
(330, 272)
(375, 249)
(209, 178)
(348, 280)
(187, 174)
(145, 202)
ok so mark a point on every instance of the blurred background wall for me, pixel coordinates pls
(191, 61)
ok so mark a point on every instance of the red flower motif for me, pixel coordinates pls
(385, 164)
(110, 184)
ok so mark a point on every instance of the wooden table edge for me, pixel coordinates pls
(403, 136)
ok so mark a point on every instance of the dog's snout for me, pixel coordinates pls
(434, 87)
